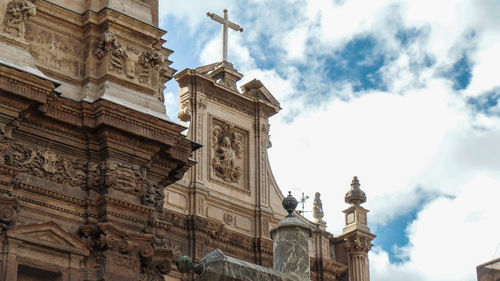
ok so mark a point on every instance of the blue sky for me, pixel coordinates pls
(402, 94)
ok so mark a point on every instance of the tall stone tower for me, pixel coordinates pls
(86, 148)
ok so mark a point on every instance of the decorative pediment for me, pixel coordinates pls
(48, 234)
(257, 90)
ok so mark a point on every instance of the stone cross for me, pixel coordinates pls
(225, 24)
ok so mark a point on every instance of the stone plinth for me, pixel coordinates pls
(291, 248)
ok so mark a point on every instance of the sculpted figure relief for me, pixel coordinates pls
(227, 147)
(18, 11)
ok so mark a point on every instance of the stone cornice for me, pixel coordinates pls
(98, 17)
(245, 104)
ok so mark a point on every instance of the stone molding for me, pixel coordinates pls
(197, 82)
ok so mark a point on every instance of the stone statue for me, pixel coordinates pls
(318, 209)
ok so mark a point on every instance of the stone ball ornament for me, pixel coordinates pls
(290, 203)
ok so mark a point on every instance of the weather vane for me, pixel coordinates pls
(225, 24)
(302, 201)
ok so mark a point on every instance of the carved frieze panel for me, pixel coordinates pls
(44, 163)
(228, 154)
(16, 15)
(55, 50)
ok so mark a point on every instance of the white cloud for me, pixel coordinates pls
(192, 12)
(419, 134)
(449, 237)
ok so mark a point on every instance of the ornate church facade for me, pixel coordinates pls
(97, 183)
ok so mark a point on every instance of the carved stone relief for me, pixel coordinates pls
(200, 206)
(45, 164)
(149, 68)
(127, 178)
(148, 60)
(110, 44)
(133, 255)
(185, 111)
(9, 209)
(228, 219)
(17, 13)
(227, 149)
(55, 50)
(154, 196)
(265, 227)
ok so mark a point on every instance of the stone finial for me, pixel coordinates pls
(318, 213)
(290, 203)
(355, 196)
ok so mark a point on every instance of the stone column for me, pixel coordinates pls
(291, 244)
(356, 234)
(358, 266)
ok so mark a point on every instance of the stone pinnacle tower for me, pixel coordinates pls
(356, 234)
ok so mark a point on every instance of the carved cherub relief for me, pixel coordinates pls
(227, 146)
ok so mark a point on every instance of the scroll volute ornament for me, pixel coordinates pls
(9, 209)
(17, 13)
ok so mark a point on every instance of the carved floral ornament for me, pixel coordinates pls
(16, 15)
(227, 146)
(44, 163)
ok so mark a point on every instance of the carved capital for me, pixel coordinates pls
(358, 244)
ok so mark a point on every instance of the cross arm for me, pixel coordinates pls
(216, 17)
(234, 26)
